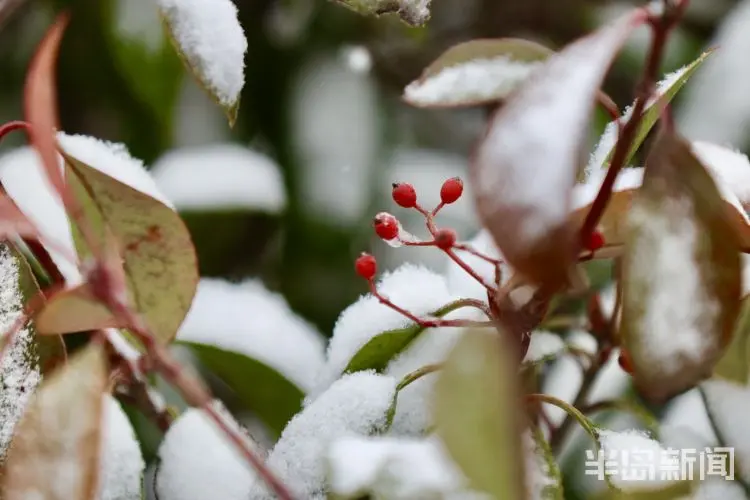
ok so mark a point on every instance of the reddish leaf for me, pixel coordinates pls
(525, 167)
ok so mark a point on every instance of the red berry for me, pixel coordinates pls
(624, 361)
(445, 238)
(595, 241)
(366, 266)
(404, 195)
(386, 225)
(451, 190)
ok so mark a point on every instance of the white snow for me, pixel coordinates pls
(414, 288)
(249, 319)
(728, 405)
(213, 42)
(689, 411)
(716, 106)
(19, 368)
(511, 171)
(635, 461)
(197, 461)
(393, 468)
(539, 477)
(220, 176)
(678, 311)
(461, 283)
(584, 194)
(728, 166)
(358, 58)
(543, 344)
(608, 139)
(356, 404)
(470, 81)
(25, 181)
(122, 464)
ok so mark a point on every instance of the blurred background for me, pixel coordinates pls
(322, 131)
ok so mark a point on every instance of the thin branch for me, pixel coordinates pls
(463, 265)
(660, 28)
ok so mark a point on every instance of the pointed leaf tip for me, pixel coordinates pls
(524, 168)
(40, 100)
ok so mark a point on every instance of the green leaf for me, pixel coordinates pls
(734, 364)
(158, 256)
(505, 63)
(411, 12)
(382, 348)
(476, 394)
(681, 274)
(523, 180)
(261, 388)
(667, 89)
(55, 453)
(186, 36)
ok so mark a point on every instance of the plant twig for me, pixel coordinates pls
(661, 26)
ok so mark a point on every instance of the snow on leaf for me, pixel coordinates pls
(220, 176)
(212, 44)
(681, 274)
(627, 474)
(473, 393)
(159, 258)
(249, 319)
(393, 468)
(19, 372)
(666, 90)
(414, 288)
(356, 404)
(122, 464)
(197, 461)
(476, 72)
(524, 169)
(56, 447)
(412, 12)
(726, 165)
(543, 345)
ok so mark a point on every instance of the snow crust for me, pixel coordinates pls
(122, 464)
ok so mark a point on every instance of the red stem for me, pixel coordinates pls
(9, 127)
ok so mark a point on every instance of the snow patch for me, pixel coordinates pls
(634, 455)
(197, 461)
(543, 344)
(122, 464)
(213, 42)
(220, 176)
(728, 166)
(475, 80)
(249, 319)
(728, 405)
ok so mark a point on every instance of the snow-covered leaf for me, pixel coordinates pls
(681, 273)
(122, 464)
(393, 468)
(197, 461)
(727, 165)
(261, 388)
(524, 169)
(412, 12)
(476, 72)
(734, 364)
(384, 347)
(159, 258)
(29, 357)
(475, 399)
(356, 404)
(666, 90)
(56, 447)
(208, 37)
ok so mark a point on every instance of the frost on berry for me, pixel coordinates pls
(404, 195)
(386, 226)
(451, 190)
(366, 266)
(445, 239)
